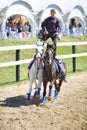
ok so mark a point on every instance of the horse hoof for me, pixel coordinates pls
(49, 98)
(28, 99)
(42, 104)
(43, 100)
(28, 96)
(38, 96)
(56, 95)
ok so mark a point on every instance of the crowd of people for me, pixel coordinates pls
(75, 29)
(17, 29)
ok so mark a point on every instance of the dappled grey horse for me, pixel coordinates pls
(35, 72)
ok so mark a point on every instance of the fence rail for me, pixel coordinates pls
(18, 62)
(22, 47)
(14, 63)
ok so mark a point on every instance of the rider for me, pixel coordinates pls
(52, 28)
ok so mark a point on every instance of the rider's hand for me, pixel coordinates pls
(56, 33)
(60, 35)
(46, 32)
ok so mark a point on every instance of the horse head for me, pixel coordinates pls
(39, 53)
(40, 47)
(49, 54)
(52, 46)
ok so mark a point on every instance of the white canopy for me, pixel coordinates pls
(76, 13)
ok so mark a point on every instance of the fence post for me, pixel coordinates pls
(74, 58)
(17, 66)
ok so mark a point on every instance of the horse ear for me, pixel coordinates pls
(40, 43)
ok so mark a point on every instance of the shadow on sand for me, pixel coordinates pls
(19, 101)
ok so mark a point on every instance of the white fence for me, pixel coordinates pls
(18, 62)
(22, 47)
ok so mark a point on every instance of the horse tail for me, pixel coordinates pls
(65, 80)
(65, 72)
(65, 76)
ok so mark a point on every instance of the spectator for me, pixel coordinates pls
(72, 27)
(79, 30)
(26, 29)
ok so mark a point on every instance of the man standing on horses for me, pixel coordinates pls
(52, 28)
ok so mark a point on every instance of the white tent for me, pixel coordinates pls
(31, 10)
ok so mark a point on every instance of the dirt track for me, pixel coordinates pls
(68, 113)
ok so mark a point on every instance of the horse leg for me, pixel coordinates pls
(57, 90)
(50, 92)
(35, 88)
(61, 79)
(30, 90)
(56, 94)
(44, 93)
(38, 89)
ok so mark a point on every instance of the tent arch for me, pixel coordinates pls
(20, 8)
(41, 15)
(79, 12)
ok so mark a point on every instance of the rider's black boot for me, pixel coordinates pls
(31, 63)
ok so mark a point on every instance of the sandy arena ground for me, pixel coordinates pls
(68, 113)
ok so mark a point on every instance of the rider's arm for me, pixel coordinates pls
(43, 25)
(59, 25)
(59, 28)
